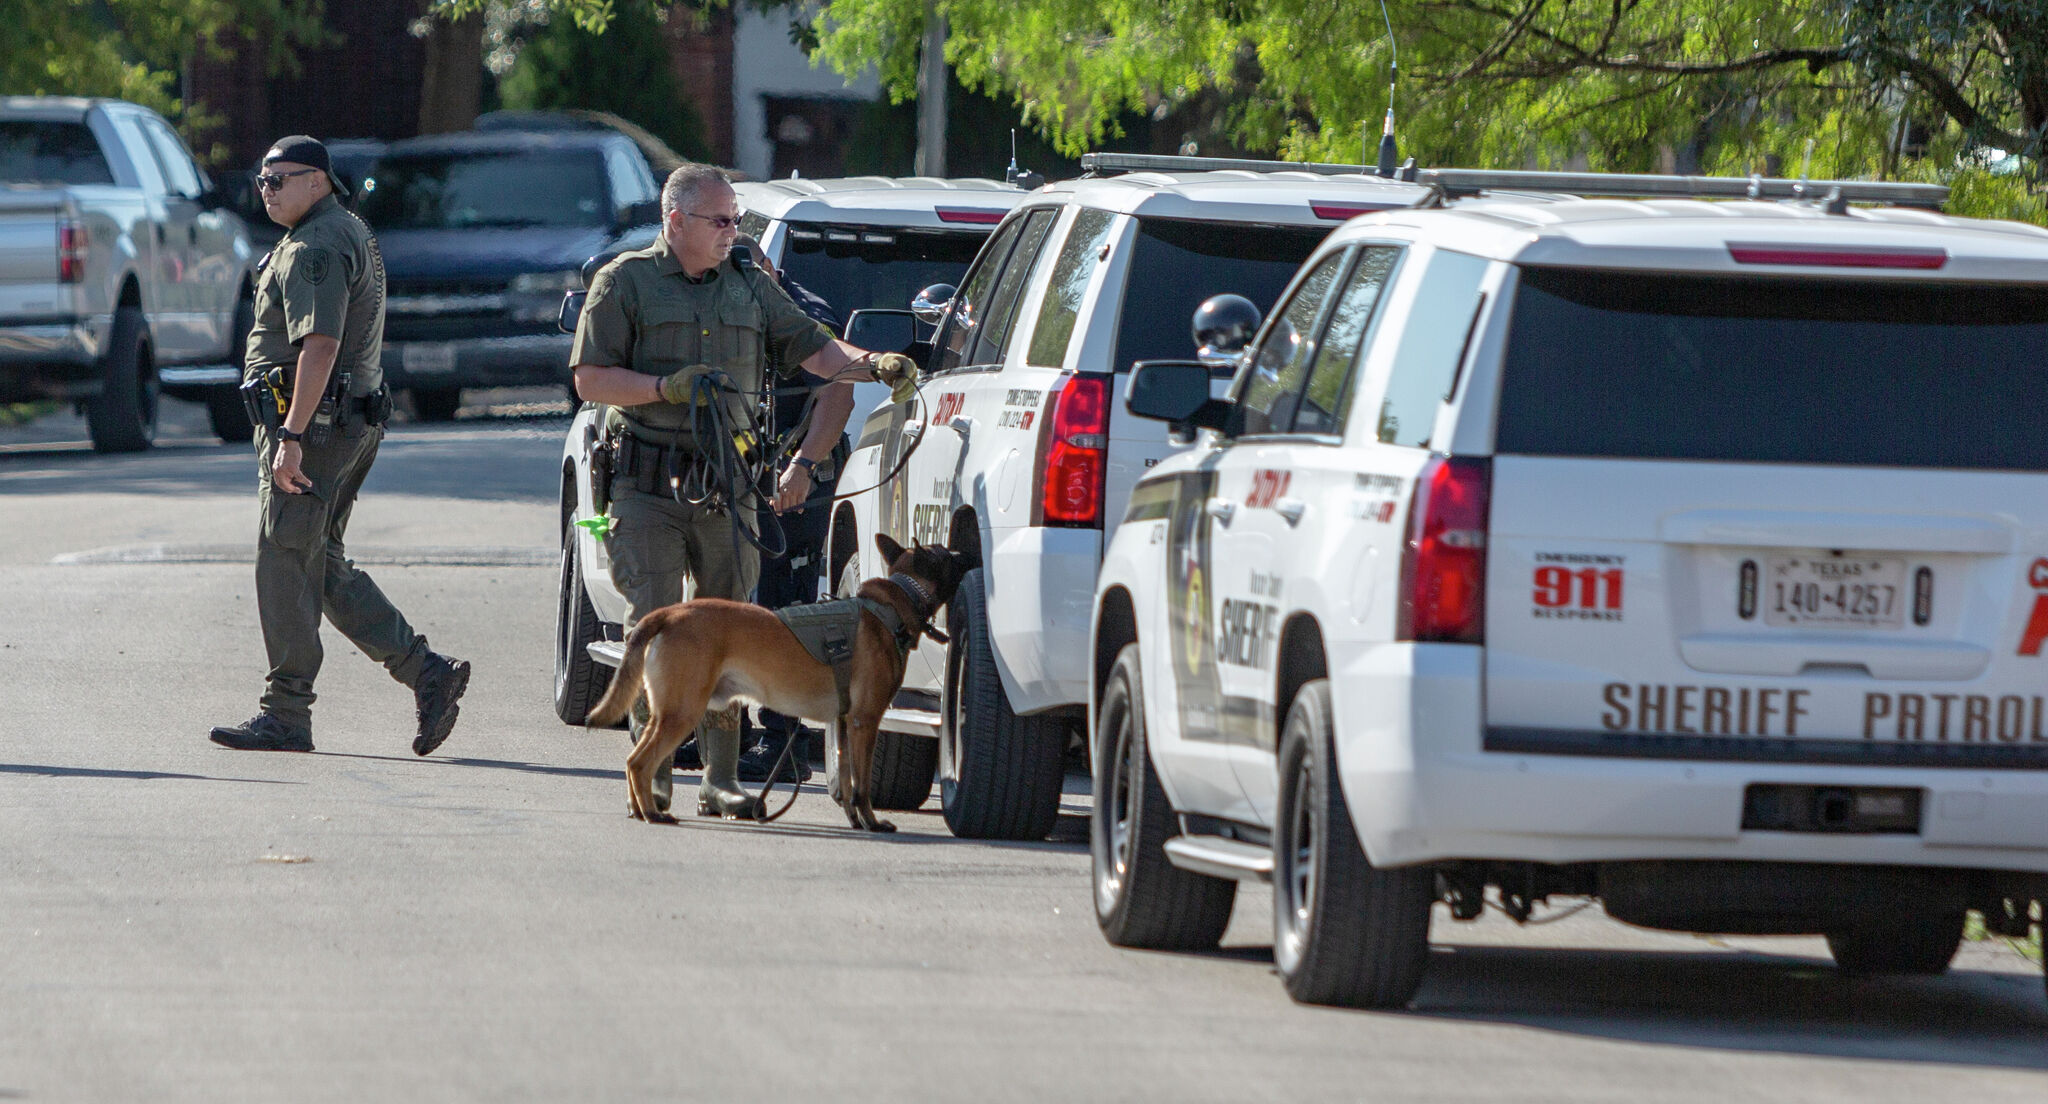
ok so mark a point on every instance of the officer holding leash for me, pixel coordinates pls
(667, 332)
(314, 387)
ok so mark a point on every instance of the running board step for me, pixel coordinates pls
(1220, 857)
(611, 653)
(912, 721)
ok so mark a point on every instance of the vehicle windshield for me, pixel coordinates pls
(880, 268)
(1180, 263)
(1776, 370)
(509, 189)
(36, 152)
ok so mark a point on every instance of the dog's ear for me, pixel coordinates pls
(889, 548)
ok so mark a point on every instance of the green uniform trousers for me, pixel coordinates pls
(303, 572)
(655, 541)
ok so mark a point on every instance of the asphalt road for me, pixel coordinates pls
(182, 922)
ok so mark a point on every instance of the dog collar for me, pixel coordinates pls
(913, 588)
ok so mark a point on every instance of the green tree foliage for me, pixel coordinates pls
(1901, 88)
(135, 49)
(622, 69)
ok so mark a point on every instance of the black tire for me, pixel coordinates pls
(224, 409)
(1899, 943)
(122, 417)
(1344, 932)
(1141, 899)
(999, 773)
(436, 404)
(579, 680)
(900, 778)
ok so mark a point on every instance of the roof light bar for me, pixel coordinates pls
(980, 216)
(1837, 256)
(1460, 182)
(1110, 164)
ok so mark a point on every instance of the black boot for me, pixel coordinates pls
(262, 732)
(440, 686)
(758, 760)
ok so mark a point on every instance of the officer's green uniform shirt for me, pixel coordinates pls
(643, 313)
(325, 277)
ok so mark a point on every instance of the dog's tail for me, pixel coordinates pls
(626, 680)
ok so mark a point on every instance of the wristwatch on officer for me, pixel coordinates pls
(807, 464)
(285, 434)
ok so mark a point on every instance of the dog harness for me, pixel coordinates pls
(827, 630)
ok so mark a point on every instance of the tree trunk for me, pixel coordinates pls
(931, 96)
(453, 81)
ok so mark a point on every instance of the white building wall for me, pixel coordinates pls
(767, 63)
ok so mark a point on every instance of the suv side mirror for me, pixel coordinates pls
(572, 311)
(882, 329)
(931, 304)
(1175, 391)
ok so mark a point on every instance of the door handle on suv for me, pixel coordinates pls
(912, 429)
(1222, 511)
(1292, 509)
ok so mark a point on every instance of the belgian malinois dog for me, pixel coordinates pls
(708, 653)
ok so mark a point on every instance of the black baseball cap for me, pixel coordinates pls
(305, 150)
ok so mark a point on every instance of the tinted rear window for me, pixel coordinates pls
(1785, 371)
(1178, 263)
(51, 153)
(502, 190)
(877, 268)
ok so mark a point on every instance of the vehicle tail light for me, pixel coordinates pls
(1075, 454)
(1443, 569)
(1837, 256)
(71, 250)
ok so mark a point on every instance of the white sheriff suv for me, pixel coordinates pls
(1688, 555)
(856, 242)
(1015, 453)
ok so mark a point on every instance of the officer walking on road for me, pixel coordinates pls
(313, 364)
(657, 323)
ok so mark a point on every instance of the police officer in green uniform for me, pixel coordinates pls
(656, 322)
(319, 333)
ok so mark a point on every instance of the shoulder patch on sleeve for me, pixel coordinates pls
(314, 264)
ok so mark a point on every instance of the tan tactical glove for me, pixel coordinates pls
(676, 388)
(900, 373)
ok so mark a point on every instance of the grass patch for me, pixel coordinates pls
(1974, 929)
(13, 414)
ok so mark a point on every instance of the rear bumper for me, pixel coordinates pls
(54, 359)
(1422, 788)
(52, 343)
(514, 360)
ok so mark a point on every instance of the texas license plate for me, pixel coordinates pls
(427, 358)
(1845, 592)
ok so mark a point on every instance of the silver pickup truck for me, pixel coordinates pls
(122, 276)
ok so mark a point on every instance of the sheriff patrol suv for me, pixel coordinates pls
(1691, 556)
(1015, 454)
(858, 242)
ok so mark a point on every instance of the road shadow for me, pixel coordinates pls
(1744, 1001)
(44, 771)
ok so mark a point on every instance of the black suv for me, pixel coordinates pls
(482, 232)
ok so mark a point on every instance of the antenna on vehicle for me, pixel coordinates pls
(1389, 153)
(1020, 178)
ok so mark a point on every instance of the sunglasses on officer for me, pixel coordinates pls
(722, 222)
(271, 182)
